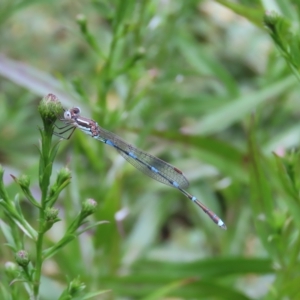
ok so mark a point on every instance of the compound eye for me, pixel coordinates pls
(76, 110)
(67, 115)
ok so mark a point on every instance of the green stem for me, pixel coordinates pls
(39, 260)
(45, 174)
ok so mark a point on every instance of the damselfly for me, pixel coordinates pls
(146, 163)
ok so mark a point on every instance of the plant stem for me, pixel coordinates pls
(48, 109)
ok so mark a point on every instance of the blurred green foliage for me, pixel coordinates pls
(209, 86)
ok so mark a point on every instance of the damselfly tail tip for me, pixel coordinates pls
(222, 225)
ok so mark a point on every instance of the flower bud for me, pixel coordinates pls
(24, 181)
(51, 214)
(22, 258)
(50, 108)
(89, 207)
(63, 175)
(76, 286)
(81, 21)
(11, 268)
(271, 18)
(140, 52)
(62, 180)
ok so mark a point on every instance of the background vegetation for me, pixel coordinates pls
(209, 86)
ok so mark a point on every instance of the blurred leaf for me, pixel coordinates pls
(203, 62)
(207, 268)
(34, 80)
(253, 15)
(236, 110)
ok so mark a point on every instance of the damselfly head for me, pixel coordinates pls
(71, 113)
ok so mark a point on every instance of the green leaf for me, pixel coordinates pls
(254, 15)
(238, 109)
